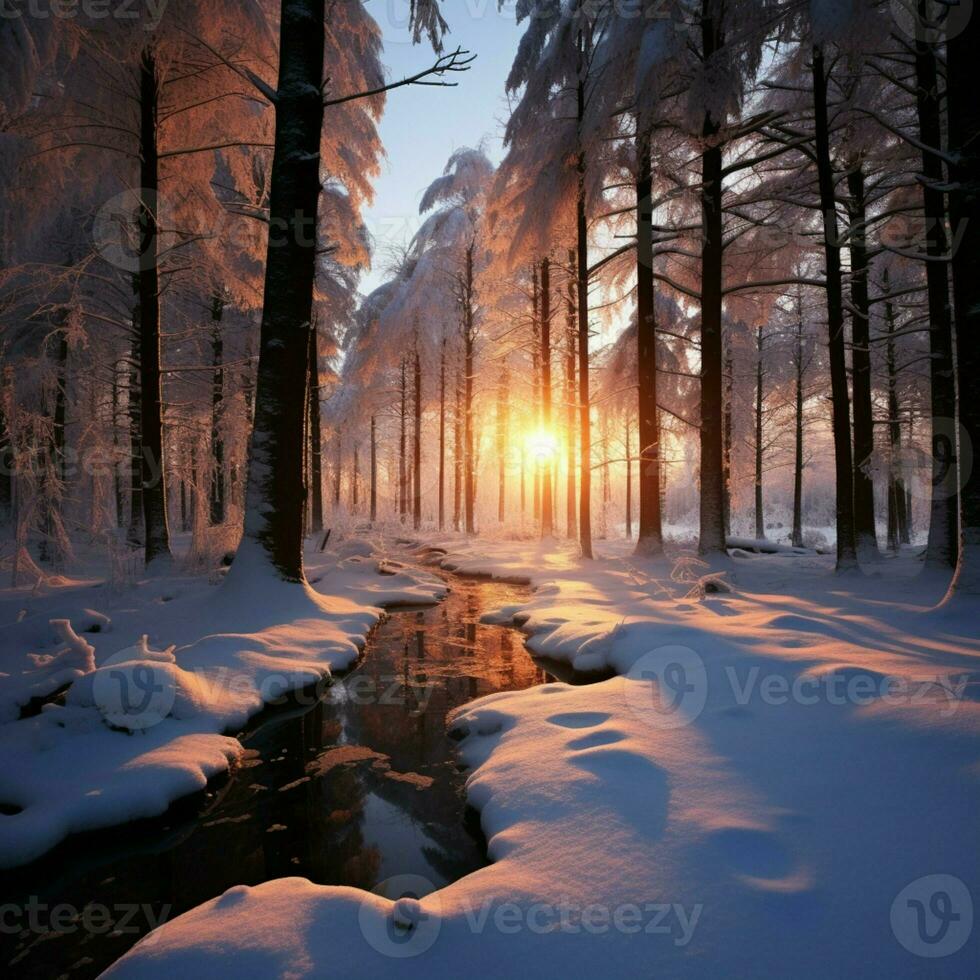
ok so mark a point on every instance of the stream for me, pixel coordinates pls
(359, 786)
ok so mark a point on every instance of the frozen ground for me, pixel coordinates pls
(781, 780)
(163, 674)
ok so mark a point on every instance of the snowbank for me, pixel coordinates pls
(142, 726)
(774, 786)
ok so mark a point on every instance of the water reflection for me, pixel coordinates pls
(360, 787)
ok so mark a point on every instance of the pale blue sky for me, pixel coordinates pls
(422, 126)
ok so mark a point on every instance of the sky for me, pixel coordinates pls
(423, 126)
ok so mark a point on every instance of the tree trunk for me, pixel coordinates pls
(469, 339)
(442, 436)
(964, 178)
(535, 388)
(650, 534)
(403, 446)
(417, 448)
(799, 367)
(6, 451)
(135, 533)
(547, 499)
(571, 517)
(760, 523)
(458, 455)
(943, 545)
(897, 516)
(629, 485)
(276, 493)
(217, 495)
(156, 541)
(355, 483)
(727, 433)
(865, 533)
(316, 436)
(582, 303)
(117, 487)
(712, 539)
(503, 424)
(846, 550)
(374, 470)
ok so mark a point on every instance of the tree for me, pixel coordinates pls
(273, 532)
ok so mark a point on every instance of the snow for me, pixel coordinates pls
(772, 785)
(152, 701)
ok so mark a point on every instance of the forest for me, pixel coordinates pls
(465, 352)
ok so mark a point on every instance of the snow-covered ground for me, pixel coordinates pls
(781, 780)
(163, 674)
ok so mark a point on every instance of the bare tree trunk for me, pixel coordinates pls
(728, 431)
(582, 303)
(503, 424)
(276, 492)
(897, 516)
(458, 455)
(571, 517)
(846, 549)
(6, 448)
(800, 368)
(536, 387)
(53, 488)
(469, 339)
(865, 533)
(217, 494)
(116, 476)
(964, 212)
(374, 470)
(547, 499)
(417, 447)
(712, 538)
(403, 447)
(355, 488)
(760, 522)
(442, 436)
(316, 436)
(156, 540)
(135, 532)
(629, 484)
(650, 534)
(941, 551)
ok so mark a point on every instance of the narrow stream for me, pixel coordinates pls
(360, 786)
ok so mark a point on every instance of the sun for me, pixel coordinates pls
(541, 447)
